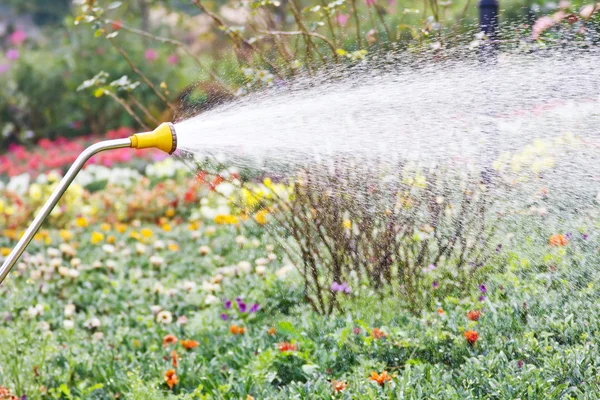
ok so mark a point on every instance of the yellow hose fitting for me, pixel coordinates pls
(163, 138)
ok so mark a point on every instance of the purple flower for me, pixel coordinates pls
(585, 235)
(12, 54)
(173, 59)
(227, 304)
(568, 235)
(254, 308)
(151, 55)
(481, 298)
(498, 248)
(242, 306)
(520, 363)
(429, 268)
(224, 317)
(336, 287)
(482, 289)
(17, 37)
(435, 284)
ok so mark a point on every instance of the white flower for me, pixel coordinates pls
(155, 309)
(108, 248)
(69, 310)
(164, 317)
(158, 288)
(111, 264)
(98, 336)
(210, 299)
(157, 261)
(210, 230)
(272, 256)
(196, 235)
(182, 320)
(44, 326)
(261, 261)
(140, 248)
(68, 324)
(53, 253)
(283, 271)
(270, 248)
(261, 270)
(159, 245)
(55, 262)
(36, 310)
(63, 271)
(67, 249)
(245, 266)
(92, 323)
(210, 287)
(97, 264)
(188, 286)
(241, 240)
(73, 273)
(204, 250)
(255, 243)
(75, 262)
(216, 279)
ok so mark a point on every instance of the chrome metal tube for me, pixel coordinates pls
(55, 197)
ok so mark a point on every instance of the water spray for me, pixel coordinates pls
(162, 138)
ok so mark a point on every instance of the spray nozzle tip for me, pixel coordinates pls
(163, 138)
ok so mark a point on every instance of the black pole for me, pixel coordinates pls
(488, 24)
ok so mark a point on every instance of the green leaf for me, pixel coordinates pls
(310, 369)
(287, 328)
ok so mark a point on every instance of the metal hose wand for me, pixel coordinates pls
(163, 138)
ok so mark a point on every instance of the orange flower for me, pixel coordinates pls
(378, 333)
(440, 311)
(174, 358)
(169, 339)
(471, 337)
(380, 378)
(171, 378)
(558, 240)
(474, 315)
(189, 344)
(237, 330)
(339, 386)
(272, 331)
(287, 346)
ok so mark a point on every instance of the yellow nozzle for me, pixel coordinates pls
(163, 138)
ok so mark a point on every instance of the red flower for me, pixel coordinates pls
(474, 315)
(471, 337)
(287, 346)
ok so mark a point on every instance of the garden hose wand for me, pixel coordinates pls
(163, 138)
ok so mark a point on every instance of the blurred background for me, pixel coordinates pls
(71, 68)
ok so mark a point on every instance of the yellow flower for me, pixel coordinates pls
(105, 227)
(193, 226)
(173, 246)
(5, 251)
(82, 222)
(166, 227)
(1, 206)
(170, 212)
(35, 191)
(10, 234)
(121, 228)
(135, 235)
(97, 237)
(261, 217)
(222, 219)
(110, 240)
(146, 232)
(347, 224)
(66, 235)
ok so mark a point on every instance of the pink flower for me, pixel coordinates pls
(173, 59)
(342, 19)
(4, 68)
(17, 37)
(12, 54)
(151, 55)
(370, 3)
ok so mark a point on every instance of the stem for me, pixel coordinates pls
(314, 34)
(141, 75)
(357, 22)
(387, 29)
(128, 109)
